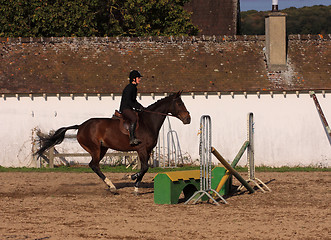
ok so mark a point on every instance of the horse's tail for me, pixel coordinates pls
(56, 138)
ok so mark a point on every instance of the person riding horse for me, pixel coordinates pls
(129, 104)
(97, 135)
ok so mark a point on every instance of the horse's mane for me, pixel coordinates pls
(161, 101)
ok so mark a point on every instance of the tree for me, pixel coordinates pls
(35, 18)
(306, 20)
(149, 17)
(252, 23)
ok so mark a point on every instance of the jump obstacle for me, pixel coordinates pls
(168, 186)
(250, 155)
(205, 164)
(249, 144)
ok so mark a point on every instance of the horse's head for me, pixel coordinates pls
(178, 108)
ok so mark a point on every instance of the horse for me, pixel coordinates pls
(97, 135)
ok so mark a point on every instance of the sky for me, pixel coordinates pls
(265, 5)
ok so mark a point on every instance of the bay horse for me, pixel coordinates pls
(97, 135)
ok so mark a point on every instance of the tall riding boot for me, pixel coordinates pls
(133, 139)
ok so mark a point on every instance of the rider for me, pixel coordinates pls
(129, 104)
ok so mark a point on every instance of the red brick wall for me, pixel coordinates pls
(214, 17)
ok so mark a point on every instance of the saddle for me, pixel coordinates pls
(124, 123)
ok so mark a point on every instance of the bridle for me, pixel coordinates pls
(159, 113)
(163, 114)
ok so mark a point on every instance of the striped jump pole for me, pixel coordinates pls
(249, 145)
(205, 163)
(250, 156)
(321, 114)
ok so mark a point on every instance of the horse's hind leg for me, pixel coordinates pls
(95, 166)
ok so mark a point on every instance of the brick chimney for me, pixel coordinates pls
(275, 32)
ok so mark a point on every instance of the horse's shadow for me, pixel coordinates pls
(143, 185)
(121, 185)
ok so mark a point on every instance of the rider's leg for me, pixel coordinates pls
(131, 115)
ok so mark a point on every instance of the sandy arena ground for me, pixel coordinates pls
(78, 206)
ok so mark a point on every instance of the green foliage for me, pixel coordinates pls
(149, 18)
(306, 20)
(36, 18)
(309, 20)
(252, 22)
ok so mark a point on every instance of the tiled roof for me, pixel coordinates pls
(204, 64)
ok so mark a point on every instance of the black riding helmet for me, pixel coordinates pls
(134, 74)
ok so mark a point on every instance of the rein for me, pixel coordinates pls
(163, 114)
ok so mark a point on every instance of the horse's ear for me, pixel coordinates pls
(179, 93)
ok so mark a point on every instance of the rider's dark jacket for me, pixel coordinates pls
(129, 98)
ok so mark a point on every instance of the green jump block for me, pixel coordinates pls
(169, 186)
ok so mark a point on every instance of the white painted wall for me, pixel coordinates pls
(288, 130)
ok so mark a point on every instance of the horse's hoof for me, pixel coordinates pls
(135, 193)
(113, 191)
(126, 176)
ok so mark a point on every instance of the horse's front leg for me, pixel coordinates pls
(139, 175)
